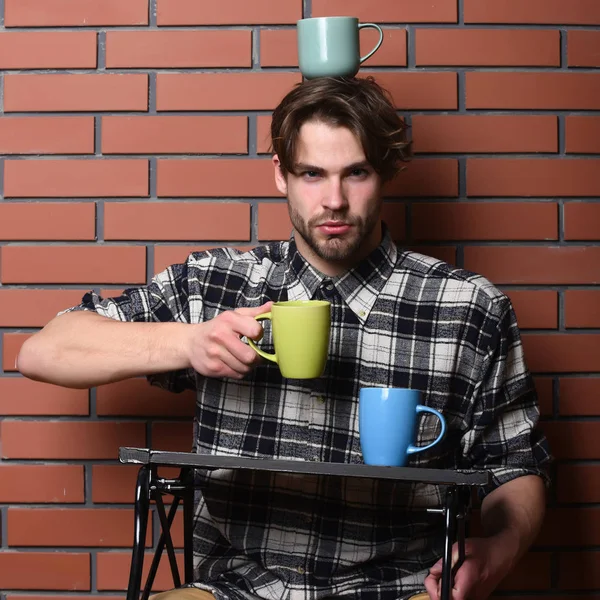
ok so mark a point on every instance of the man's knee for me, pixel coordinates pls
(184, 594)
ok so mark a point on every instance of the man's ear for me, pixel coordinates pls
(280, 180)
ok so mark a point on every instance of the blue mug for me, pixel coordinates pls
(387, 424)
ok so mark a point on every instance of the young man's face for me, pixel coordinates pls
(334, 198)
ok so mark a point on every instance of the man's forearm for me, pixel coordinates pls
(84, 349)
(513, 514)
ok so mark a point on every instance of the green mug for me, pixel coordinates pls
(300, 336)
(330, 47)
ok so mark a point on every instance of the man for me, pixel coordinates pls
(398, 319)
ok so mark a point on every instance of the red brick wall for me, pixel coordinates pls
(135, 130)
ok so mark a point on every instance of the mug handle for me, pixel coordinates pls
(272, 357)
(421, 409)
(372, 26)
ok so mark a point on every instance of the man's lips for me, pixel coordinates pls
(334, 227)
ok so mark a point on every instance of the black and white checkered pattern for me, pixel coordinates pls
(398, 319)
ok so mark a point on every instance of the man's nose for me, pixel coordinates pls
(335, 197)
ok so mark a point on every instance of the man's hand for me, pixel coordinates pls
(215, 348)
(486, 564)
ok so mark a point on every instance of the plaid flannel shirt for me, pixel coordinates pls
(398, 319)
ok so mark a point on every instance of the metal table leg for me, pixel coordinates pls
(187, 476)
(142, 506)
(453, 500)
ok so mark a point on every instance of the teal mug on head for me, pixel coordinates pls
(387, 423)
(330, 47)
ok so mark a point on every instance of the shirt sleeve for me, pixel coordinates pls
(164, 300)
(504, 436)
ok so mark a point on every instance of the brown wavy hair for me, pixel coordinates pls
(360, 105)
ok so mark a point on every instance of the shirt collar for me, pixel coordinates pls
(358, 287)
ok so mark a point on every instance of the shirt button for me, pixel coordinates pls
(320, 400)
(329, 286)
(362, 313)
(301, 570)
(315, 459)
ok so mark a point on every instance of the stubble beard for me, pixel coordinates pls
(335, 248)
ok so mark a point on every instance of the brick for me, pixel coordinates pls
(582, 134)
(69, 439)
(578, 483)
(73, 264)
(446, 254)
(175, 135)
(535, 309)
(484, 133)
(578, 570)
(279, 47)
(176, 221)
(135, 397)
(172, 436)
(487, 47)
(567, 527)
(165, 256)
(263, 134)
(538, 12)
(420, 90)
(98, 527)
(550, 177)
(113, 571)
(457, 221)
(544, 386)
(582, 221)
(12, 346)
(249, 178)
(41, 483)
(78, 13)
(75, 178)
(274, 222)
(582, 308)
(562, 353)
(526, 90)
(430, 177)
(75, 92)
(24, 397)
(535, 265)
(47, 221)
(44, 571)
(531, 573)
(48, 50)
(34, 308)
(579, 396)
(221, 91)
(583, 48)
(573, 440)
(46, 135)
(185, 49)
(114, 484)
(228, 12)
(381, 11)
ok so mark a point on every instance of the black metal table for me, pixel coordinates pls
(151, 487)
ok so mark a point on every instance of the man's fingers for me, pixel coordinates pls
(465, 581)
(255, 311)
(431, 585)
(436, 570)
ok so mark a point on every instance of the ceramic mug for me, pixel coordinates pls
(300, 336)
(388, 419)
(330, 47)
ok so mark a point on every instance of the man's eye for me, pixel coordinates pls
(359, 172)
(310, 174)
